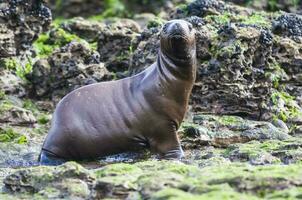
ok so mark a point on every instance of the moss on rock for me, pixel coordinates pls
(267, 152)
(221, 131)
(177, 181)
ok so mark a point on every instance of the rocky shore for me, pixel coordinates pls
(241, 136)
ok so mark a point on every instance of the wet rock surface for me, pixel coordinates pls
(140, 180)
(222, 131)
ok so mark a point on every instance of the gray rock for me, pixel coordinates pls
(222, 131)
(21, 23)
(68, 68)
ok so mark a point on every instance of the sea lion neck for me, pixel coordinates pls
(177, 68)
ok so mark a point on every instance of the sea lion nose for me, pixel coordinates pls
(177, 28)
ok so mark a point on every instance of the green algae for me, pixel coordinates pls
(257, 18)
(227, 51)
(286, 151)
(46, 44)
(10, 63)
(176, 194)
(116, 170)
(113, 8)
(254, 182)
(275, 74)
(20, 68)
(219, 19)
(156, 22)
(289, 110)
(165, 180)
(2, 95)
(260, 19)
(43, 119)
(10, 135)
(230, 120)
(5, 105)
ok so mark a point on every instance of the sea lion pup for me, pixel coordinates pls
(141, 111)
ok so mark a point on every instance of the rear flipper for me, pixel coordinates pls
(48, 158)
(168, 147)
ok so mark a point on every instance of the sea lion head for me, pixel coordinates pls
(177, 40)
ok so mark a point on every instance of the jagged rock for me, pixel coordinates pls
(288, 25)
(21, 23)
(266, 152)
(226, 130)
(68, 180)
(202, 8)
(86, 29)
(10, 83)
(116, 43)
(7, 43)
(143, 19)
(122, 8)
(146, 52)
(68, 68)
(12, 112)
(276, 5)
(75, 8)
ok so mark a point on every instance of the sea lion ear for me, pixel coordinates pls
(164, 28)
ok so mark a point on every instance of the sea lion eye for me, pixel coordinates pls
(165, 28)
(190, 27)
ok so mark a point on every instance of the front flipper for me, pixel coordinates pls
(50, 159)
(167, 145)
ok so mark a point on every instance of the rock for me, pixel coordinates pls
(116, 43)
(21, 23)
(7, 43)
(19, 155)
(11, 84)
(297, 130)
(266, 152)
(205, 156)
(288, 6)
(68, 68)
(68, 180)
(160, 7)
(222, 131)
(86, 29)
(12, 112)
(202, 8)
(140, 180)
(75, 8)
(143, 19)
(146, 52)
(280, 124)
(288, 25)
(243, 60)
